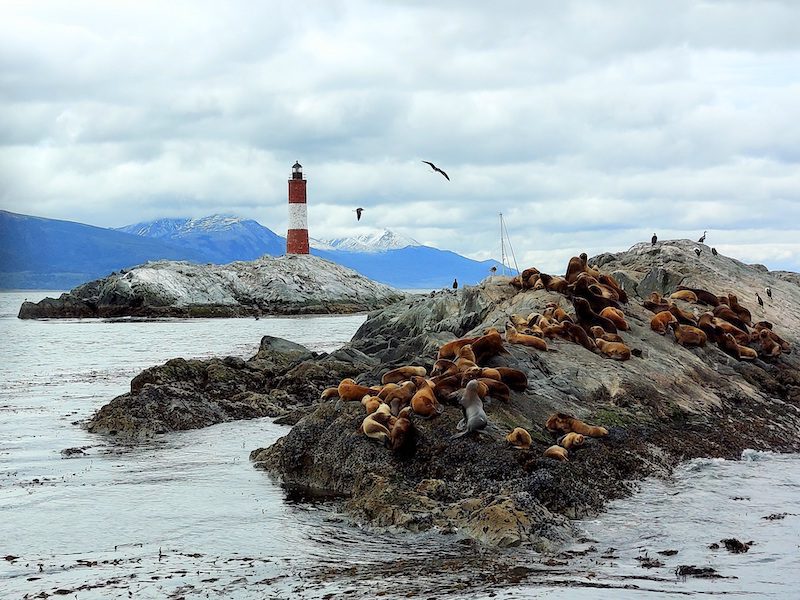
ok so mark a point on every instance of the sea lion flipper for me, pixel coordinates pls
(458, 435)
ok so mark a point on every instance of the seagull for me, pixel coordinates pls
(714, 251)
(760, 301)
(437, 169)
(769, 292)
(654, 239)
(703, 237)
(697, 251)
(358, 212)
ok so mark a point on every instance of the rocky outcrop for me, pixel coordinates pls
(283, 285)
(666, 405)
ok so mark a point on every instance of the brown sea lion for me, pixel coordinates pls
(496, 389)
(403, 434)
(371, 403)
(466, 358)
(553, 283)
(702, 295)
(741, 337)
(688, 336)
(685, 295)
(740, 310)
(617, 316)
(350, 390)
(374, 425)
(518, 321)
(722, 300)
(444, 366)
(400, 397)
(514, 337)
(424, 401)
(723, 311)
(450, 349)
(598, 332)
(727, 343)
(609, 281)
(661, 321)
(769, 347)
(566, 423)
(445, 385)
(556, 452)
(578, 335)
(604, 291)
(402, 374)
(386, 389)
(519, 438)
(655, 306)
(487, 346)
(706, 323)
(683, 317)
(571, 440)
(614, 350)
(747, 353)
(574, 268)
(556, 331)
(514, 378)
(331, 392)
(586, 317)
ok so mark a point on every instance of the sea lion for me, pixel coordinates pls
(518, 320)
(598, 332)
(450, 349)
(655, 303)
(403, 434)
(688, 336)
(402, 374)
(564, 423)
(615, 350)
(424, 400)
(727, 343)
(575, 267)
(374, 425)
(553, 283)
(519, 438)
(722, 300)
(445, 385)
(769, 347)
(331, 392)
(514, 378)
(740, 310)
(495, 389)
(386, 389)
(683, 317)
(571, 440)
(466, 358)
(472, 408)
(578, 335)
(400, 397)
(555, 331)
(608, 280)
(586, 317)
(706, 323)
(487, 346)
(747, 353)
(701, 295)
(661, 321)
(685, 295)
(444, 366)
(723, 311)
(556, 452)
(371, 403)
(741, 337)
(604, 291)
(617, 316)
(514, 337)
(350, 390)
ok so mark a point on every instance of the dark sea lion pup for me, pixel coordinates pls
(472, 407)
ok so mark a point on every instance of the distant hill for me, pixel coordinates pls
(38, 253)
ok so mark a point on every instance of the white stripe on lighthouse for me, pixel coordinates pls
(298, 216)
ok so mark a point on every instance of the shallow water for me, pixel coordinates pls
(188, 516)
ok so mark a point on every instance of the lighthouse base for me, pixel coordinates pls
(297, 241)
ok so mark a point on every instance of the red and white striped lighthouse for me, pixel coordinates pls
(297, 237)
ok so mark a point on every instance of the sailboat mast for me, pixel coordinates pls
(502, 246)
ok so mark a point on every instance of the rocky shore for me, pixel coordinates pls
(664, 405)
(283, 285)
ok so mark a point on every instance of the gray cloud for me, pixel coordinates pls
(589, 124)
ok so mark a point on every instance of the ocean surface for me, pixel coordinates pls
(186, 516)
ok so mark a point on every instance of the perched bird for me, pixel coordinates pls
(494, 270)
(358, 212)
(703, 237)
(697, 251)
(654, 239)
(437, 169)
(760, 301)
(714, 251)
(455, 284)
(769, 292)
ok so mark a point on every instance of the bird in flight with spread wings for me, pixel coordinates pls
(437, 169)
(358, 212)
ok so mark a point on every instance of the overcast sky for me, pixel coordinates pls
(589, 125)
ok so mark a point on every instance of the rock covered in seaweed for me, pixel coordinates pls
(291, 284)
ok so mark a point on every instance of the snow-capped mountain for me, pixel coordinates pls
(379, 241)
(160, 228)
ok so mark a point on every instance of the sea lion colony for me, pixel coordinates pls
(461, 377)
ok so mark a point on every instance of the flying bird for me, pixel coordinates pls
(760, 301)
(714, 251)
(358, 212)
(697, 251)
(437, 169)
(769, 292)
(654, 239)
(703, 237)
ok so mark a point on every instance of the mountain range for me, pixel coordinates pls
(39, 253)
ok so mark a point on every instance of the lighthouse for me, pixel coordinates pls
(297, 237)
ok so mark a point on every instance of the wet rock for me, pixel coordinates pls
(693, 571)
(667, 552)
(735, 546)
(499, 524)
(72, 452)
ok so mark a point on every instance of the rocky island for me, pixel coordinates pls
(665, 404)
(283, 285)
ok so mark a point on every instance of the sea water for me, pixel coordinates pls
(187, 516)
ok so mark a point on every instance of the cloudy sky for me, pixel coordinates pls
(588, 125)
